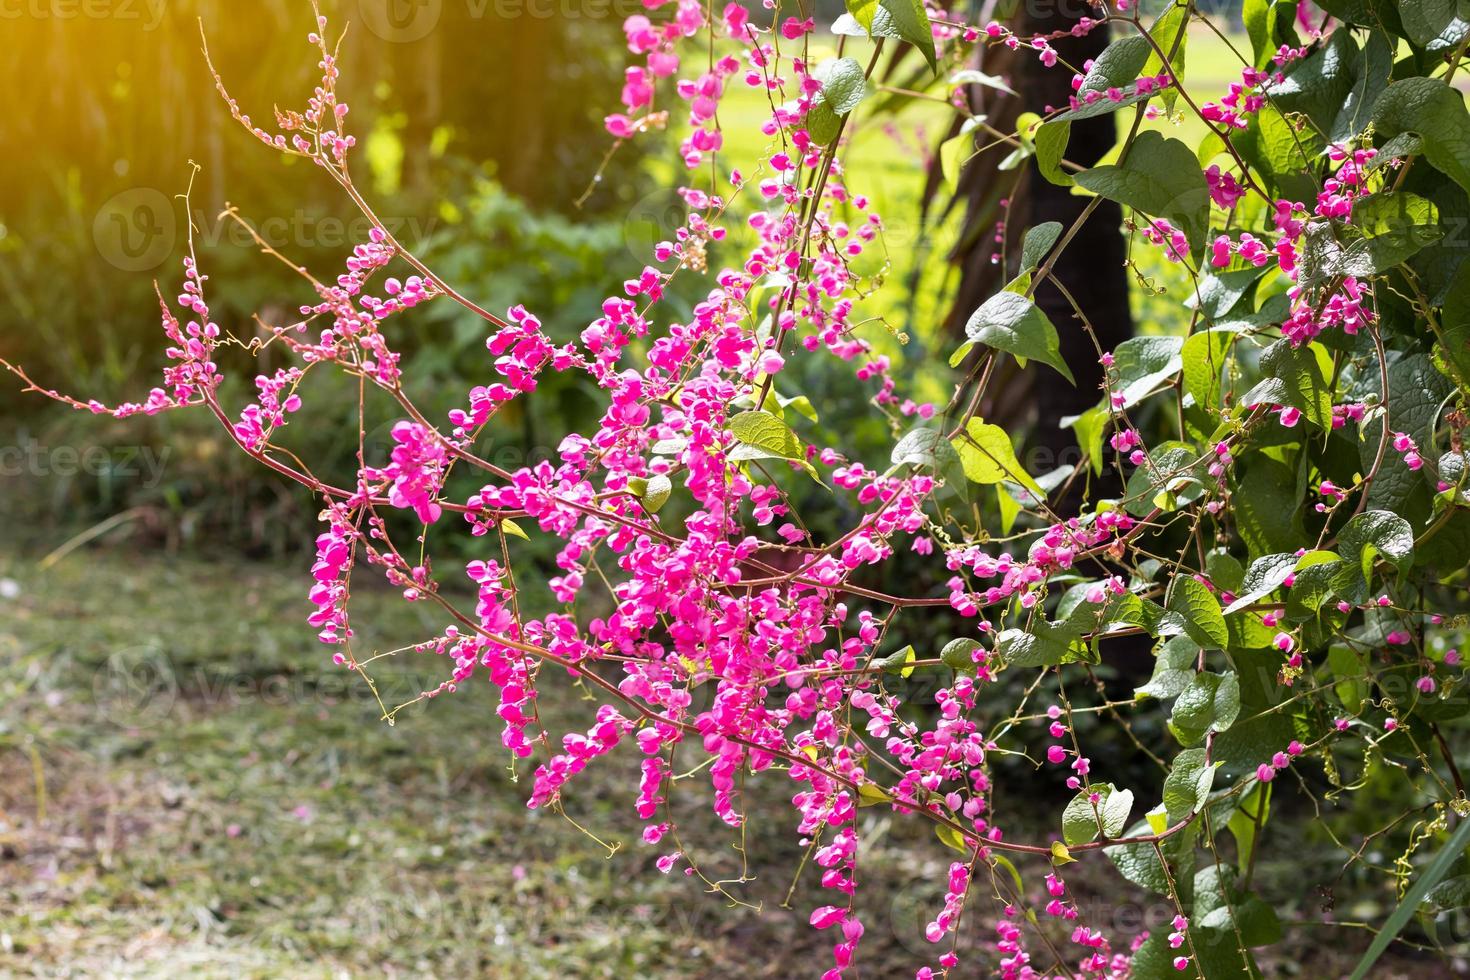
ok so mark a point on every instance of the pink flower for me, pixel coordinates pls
(827, 916)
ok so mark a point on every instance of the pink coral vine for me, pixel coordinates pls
(732, 634)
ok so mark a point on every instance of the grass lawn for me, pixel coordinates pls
(186, 782)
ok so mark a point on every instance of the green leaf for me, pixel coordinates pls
(1223, 910)
(862, 11)
(1319, 85)
(1000, 860)
(1406, 910)
(1170, 480)
(1141, 364)
(952, 838)
(1250, 742)
(1174, 669)
(1010, 322)
(1038, 243)
(843, 84)
(1381, 14)
(1262, 19)
(1203, 620)
(1188, 784)
(912, 23)
(1159, 177)
(953, 153)
(1451, 894)
(1263, 577)
(848, 24)
(1044, 646)
(656, 493)
(987, 456)
(1139, 863)
(1351, 684)
(800, 404)
(871, 794)
(822, 124)
(843, 87)
(510, 527)
(958, 654)
(1436, 25)
(1219, 293)
(900, 662)
(1327, 254)
(1454, 351)
(1172, 38)
(1267, 513)
(1050, 142)
(1436, 113)
(1010, 507)
(1282, 150)
(1211, 703)
(765, 437)
(1118, 67)
(1416, 390)
(1224, 570)
(1396, 226)
(1312, 588)
(1370, 78)
(1204, 356)
(924, 447)
(970, 76)
(760, 435)
(1297, 377)
(1082, 818)
(1090, 426)
(1374, 533)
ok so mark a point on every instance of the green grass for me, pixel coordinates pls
(186, 782)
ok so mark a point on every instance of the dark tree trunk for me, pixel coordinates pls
(1092, 266)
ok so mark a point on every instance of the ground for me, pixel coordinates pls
(187, 783)
(214, 795)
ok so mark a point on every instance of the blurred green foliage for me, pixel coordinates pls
(485, 105)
